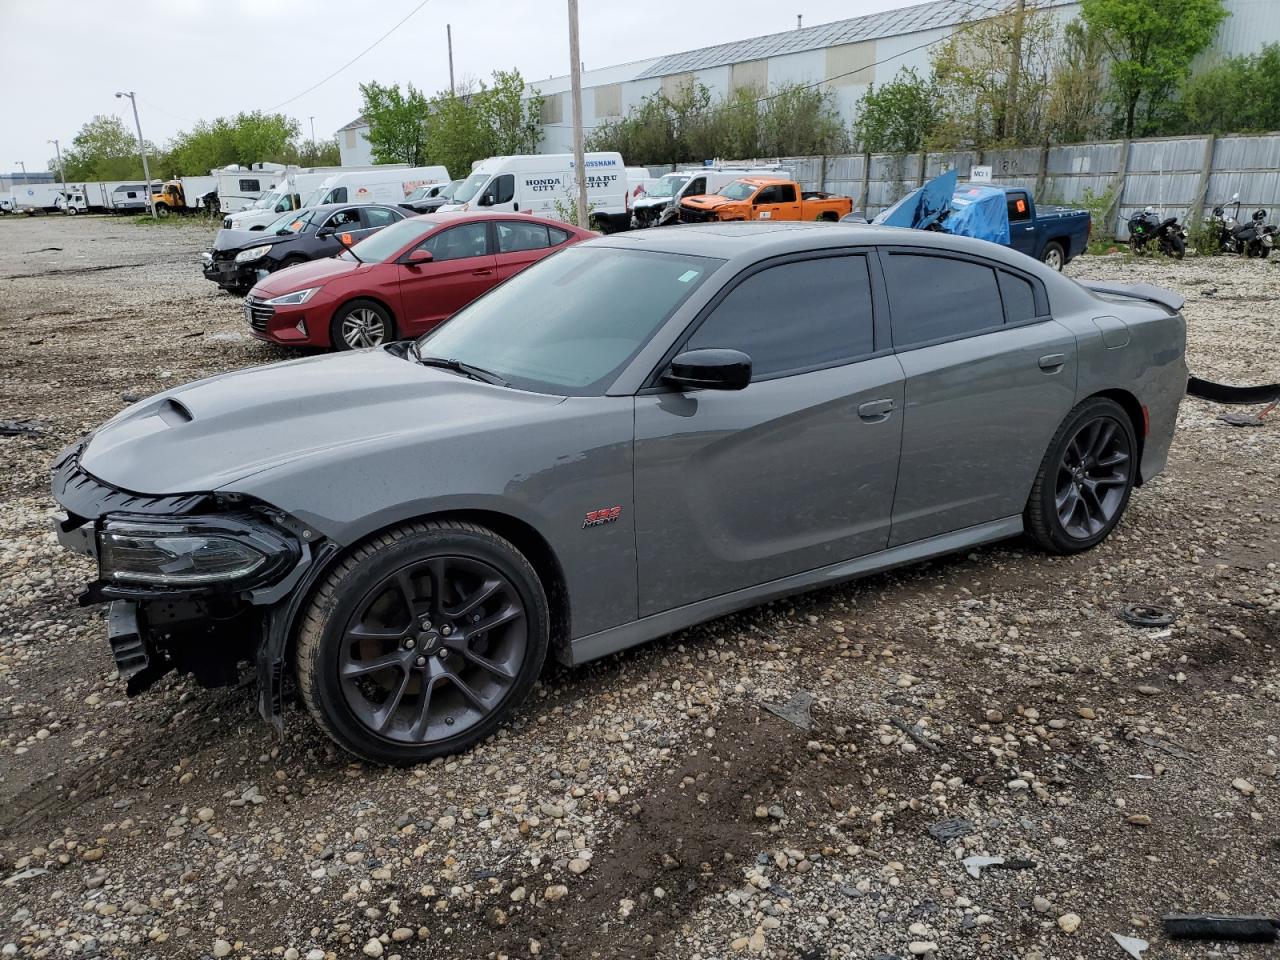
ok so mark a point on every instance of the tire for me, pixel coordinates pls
(162, 210)
(1053, 256)
(361, 323)
(1258, 251)
(1177, 248)
(368, 694)
(72, 212)
(291, 262)
(1063, 478)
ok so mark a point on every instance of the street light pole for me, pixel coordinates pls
(575, 80)
(142, 149)
(57, 149)
(24, 169)
(313, 132)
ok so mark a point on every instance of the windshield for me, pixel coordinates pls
(420, 194)
(667, 186)
(450, 190)
(313, 199)
(738, 190)
(546, 329)
(266, 201)
(387, 242)
(290, 222)
(470, 187)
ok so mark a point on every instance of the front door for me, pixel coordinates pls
(989, 378)
(1022, 228)
(776, 202)
(461, 269)
(344, 228)
(795, 472)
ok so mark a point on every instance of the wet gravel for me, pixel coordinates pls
(656, 804)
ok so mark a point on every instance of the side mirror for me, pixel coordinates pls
(485, 201)
(419, 256)
(324, 234)
(710, 369)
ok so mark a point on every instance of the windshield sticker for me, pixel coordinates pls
(687, 276)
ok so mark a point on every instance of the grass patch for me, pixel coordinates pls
(173, 220)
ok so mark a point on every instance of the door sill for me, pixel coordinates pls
(669, 621)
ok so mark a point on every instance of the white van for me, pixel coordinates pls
(284, 196)
(544, 183)
(375, 186)
(666, 193)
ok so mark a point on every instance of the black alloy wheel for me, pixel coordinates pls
(1085, 479)
(422, 642)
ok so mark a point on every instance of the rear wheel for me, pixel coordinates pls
(360, 324)
(1053, 256)
(1177, 247)
(422, 641)
(1085, 478)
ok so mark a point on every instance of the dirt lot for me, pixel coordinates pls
(650, 805)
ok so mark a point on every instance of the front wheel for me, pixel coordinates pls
(1177, 248)
(162, 210)
(1053, 256)
(360, 324)
(422, 641)
(1085, 479)
(72, 211)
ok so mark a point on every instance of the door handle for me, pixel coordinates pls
(482, 273)
(1052, 362)
(515, 207)
(873, 411)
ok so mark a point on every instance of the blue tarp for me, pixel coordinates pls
(979, 211)
(973, 210)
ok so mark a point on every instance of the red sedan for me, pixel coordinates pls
(401, 281)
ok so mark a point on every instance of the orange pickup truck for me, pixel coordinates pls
(763, 198)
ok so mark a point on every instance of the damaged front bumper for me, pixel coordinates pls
(196, 583)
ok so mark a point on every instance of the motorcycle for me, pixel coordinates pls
(1169, 236)
(1253, 239)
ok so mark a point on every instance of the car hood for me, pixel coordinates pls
(313, 273)
(708, 201)
(204, 435)
(243, 239)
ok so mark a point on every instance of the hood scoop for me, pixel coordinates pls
(174, 413)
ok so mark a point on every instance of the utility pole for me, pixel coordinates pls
(575, 79)
(313, 132)
(62, 173)
(24, 169)
(142, 149)
(799, 21)
(1015, 69)
(448, 32)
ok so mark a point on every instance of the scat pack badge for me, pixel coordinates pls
(598, 518)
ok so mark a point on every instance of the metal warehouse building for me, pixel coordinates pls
(846, 55)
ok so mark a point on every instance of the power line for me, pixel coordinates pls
(353, 59)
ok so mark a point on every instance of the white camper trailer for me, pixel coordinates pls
(374, 185)
(238, 186)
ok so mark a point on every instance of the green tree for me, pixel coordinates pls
(1236, 95)
(899, 117)
(1151, 43)
(982, 101)
(397, 122)
(244, 139)
(104, 149)
(513, 122)
(1077, 87)
(458, 134)
(798, 120)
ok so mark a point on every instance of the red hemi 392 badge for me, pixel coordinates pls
(598, 518)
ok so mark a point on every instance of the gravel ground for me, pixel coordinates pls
(652, 805)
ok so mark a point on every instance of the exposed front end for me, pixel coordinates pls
(191, 579)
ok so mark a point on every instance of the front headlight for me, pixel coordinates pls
(252, 254)
(294, 299)
(197, 553)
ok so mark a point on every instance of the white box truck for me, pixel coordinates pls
(239, 186)
(33, 198)
(545, 184)
(374, 185)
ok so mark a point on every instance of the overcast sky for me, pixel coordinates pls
(198, 59)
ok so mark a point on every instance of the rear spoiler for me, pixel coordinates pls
(1139, 291)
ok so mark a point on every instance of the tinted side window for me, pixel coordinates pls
(344, 218)
(457, 243)
(1018, 207)
(381, 216)
(503, 188)
(786, 193)
(249, 186)
(768, 195)
(795, 316)
(557, 236)
(697, 188)
(514, 236)
(337, 195)
(1019, 298)
(934, 298)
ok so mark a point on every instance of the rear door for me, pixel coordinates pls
(1022, 227)
(518, 244)
(989, 378)
(462, 267)
(374, 219)
(794, 472)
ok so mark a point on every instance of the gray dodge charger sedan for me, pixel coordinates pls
(639, 433)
